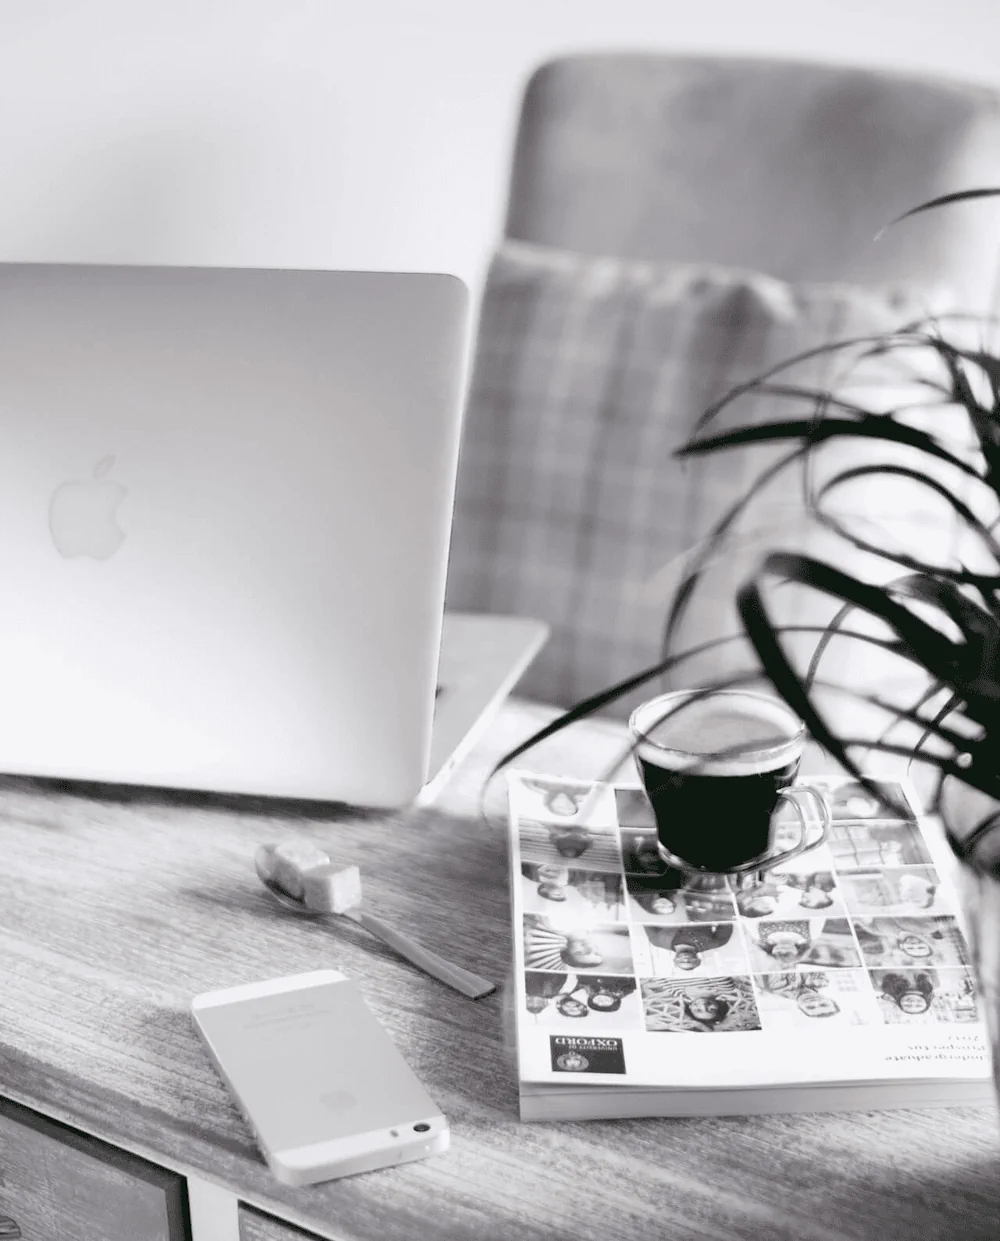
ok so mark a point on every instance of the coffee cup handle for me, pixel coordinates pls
(808, 839)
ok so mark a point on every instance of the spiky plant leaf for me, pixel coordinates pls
(943, 620)
(945, 200)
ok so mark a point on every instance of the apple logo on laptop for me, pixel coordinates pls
(83, 514)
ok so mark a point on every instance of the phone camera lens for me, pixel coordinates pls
(421, 1128)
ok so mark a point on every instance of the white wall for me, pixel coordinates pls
(375, 134)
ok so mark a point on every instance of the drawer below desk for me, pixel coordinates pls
(57, 1184)
(256, 1226)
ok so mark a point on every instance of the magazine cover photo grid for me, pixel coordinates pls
(858, 931)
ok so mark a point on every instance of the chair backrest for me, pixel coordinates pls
(770, 167)
(783, 167)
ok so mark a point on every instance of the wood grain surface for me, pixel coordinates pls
(117, 906)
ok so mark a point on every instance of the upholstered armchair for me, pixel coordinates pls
(676, 225)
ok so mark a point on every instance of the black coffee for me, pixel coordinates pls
(716, 822)
(713, 772)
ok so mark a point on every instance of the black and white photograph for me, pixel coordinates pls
(633, 809)
(778, 944)
(473, 478)
(640, 855)
(816, 999)
(589, 1002)
(862, 846)
(695, 950)
(787, 835)
(912, 942)
(852, 802)
(583, 950)
(926, 996)
(784, 894)
(677, 898)
(569, 844)
(583, 803)
(895, 891)
(699, 1005)
(570, 896)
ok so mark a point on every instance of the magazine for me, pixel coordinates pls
(841, 979)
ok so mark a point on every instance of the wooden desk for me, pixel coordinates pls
(116, 910)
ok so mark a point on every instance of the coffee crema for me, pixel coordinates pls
(726, 733)
(714, 769)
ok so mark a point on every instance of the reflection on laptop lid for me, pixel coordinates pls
(225, 498)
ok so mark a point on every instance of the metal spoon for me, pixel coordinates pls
(469, 984)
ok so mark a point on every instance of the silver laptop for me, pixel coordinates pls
(225, 502)
(482, 659)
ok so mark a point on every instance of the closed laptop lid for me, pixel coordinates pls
(225, 501)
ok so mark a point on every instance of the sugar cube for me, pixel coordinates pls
(292, 858)
(331, 888)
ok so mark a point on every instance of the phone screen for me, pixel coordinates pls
(312, 1065)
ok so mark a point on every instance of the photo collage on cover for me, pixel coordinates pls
(857, 931)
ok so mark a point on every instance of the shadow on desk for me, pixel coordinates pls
(969, 1195)
(195, 799)
(820, 1177)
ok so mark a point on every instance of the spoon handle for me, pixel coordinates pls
(438, 967)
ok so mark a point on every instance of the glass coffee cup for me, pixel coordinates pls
(717, 766)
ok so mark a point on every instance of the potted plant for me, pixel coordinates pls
(941, 619)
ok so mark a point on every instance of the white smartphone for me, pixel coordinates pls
(322, 1084)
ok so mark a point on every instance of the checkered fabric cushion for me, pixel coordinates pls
(571, 507)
